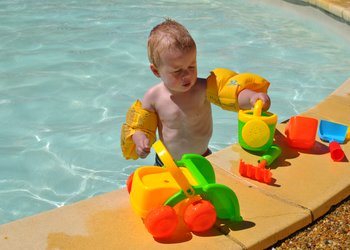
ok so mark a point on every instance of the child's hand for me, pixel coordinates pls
(247, 99)
(260, 96)
(142, 144)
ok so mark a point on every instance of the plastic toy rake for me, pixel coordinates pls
(260, 172)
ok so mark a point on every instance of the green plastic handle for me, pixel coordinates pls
(271, 155)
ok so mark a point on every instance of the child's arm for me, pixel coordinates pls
(138, 131)
(142, 144)
(232, 91)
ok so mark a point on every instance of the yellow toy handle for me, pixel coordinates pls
(258, 107)
(170, 165)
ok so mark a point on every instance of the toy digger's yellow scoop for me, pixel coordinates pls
(171, 166)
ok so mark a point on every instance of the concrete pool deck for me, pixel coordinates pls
(307, 184)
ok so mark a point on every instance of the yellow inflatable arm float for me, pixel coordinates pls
(137, 119)
(224, 86)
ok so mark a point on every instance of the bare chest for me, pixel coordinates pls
(184, 113)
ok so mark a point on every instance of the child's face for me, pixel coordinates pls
(178, 70)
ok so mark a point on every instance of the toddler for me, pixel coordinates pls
(180, 105)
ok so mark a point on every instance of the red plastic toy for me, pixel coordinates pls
(259, 173)
(301, 132)
(337, 154)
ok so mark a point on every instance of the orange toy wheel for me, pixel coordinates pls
(161, 222)
(200, 216)
(129, 182)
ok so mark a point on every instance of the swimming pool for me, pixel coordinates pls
(70, 70)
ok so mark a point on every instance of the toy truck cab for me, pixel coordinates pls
(152, 186)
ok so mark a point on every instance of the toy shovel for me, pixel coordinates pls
(334, 133)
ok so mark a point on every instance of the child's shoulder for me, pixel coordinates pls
(151, 95)
(154, 90)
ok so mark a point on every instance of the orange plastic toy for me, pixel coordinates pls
(337, 153)
(260, 172)
(301, 132)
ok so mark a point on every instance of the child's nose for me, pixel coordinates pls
(185, 74)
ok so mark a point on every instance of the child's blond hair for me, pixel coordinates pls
(168, 35)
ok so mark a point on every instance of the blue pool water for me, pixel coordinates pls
(69, 71)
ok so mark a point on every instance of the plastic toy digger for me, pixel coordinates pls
(185, 188)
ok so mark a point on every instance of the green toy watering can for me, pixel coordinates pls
(256, 128)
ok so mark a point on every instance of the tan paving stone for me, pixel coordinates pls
(340, 8)
(346, 15)
(336, 10)
(324, 4)
(266, 219)
(336, 109)
(102, 222)
(343, 90)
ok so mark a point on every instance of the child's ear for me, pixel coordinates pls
(154, 70)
